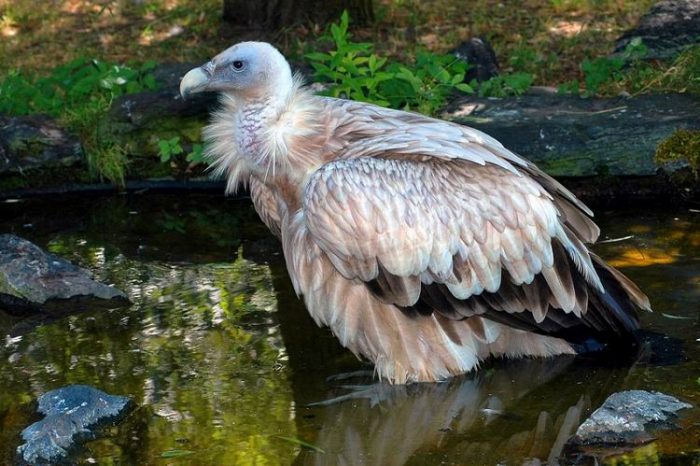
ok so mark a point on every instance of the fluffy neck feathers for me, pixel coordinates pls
(275, 135)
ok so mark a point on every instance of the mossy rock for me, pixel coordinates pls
(136, 123)
(576, 137)
(34, 142)
(682, 148)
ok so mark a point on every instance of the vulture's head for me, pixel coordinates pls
(246, 70)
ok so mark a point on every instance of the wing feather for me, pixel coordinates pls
(456, 238)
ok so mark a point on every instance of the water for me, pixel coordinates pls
(223, 360)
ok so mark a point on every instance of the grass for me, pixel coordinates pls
(33, 34)
(549, 39)
(681, 75)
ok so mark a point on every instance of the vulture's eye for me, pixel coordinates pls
(238, 65)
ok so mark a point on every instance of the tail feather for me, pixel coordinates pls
(618, 306)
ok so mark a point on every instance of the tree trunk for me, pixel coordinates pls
(277, 14)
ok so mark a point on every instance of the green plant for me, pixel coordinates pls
(78, 94)
(72, 86)
(108, 160)
(506, 84)
(197, 154)
(426, 86)
(169, 148)
(354, 71)
(351, 68)
(681, 75)
(570, 87)
(600, 71)
(606, 70)
(528, 59)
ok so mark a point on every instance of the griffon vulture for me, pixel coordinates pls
(425, 246)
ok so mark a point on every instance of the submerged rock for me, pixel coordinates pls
(625, 417)
(33, 280)
(35, 141)
(669, 27)
(72, 414)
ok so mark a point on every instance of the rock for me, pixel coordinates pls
(136, 122)
(481, 58)
(35, 141)
(669, 27)
(576, 137)
(625, 416)
(168, 75)
(143, 108)
(32, 280)
(72, 415)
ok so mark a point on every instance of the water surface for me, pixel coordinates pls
(223, 360)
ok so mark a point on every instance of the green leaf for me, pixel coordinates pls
(372, 63)
(164, 147)
(197, 154)
(317, 56)
(464, 87)
(149, 65)
(149, 81)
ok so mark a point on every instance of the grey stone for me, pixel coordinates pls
(479, 54)
(668, 27)
(577, 137)
(625, 417)
(35, 141)
(34, 280)
(72, 415)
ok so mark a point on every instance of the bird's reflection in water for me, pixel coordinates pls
(515, 412)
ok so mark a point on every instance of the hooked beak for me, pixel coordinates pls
(195, 80)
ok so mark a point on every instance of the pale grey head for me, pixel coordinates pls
(245, 70)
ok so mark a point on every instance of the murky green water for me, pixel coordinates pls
(223, 360)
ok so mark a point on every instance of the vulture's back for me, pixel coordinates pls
(426, 246)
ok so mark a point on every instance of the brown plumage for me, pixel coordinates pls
(424, 245)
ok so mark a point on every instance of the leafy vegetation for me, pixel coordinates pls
(507, 84)
(630, 72)
(170, 148)
(603, 71)
(79, 93)
(355, 71)
(72, 87)
(681, 75)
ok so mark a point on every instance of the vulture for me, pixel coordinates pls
(426, 246)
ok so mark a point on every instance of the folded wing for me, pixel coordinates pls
(462, 238)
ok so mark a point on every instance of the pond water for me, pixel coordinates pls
(223, 360)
